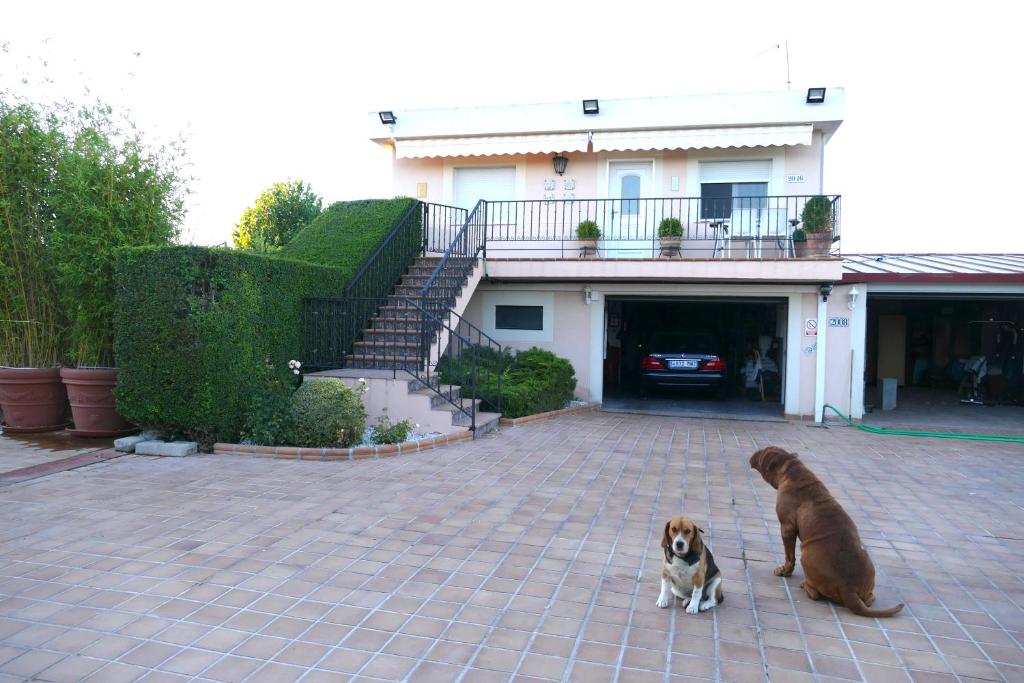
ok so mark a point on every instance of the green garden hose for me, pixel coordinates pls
(1006, 438)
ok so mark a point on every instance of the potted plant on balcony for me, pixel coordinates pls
(32, 397)
(112, 192)
(817, 220)
(670, 234)
(588, 234)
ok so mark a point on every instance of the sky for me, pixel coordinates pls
(926, 160)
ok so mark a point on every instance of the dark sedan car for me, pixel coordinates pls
(683, 360)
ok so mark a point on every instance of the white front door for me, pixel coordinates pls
(627, 232)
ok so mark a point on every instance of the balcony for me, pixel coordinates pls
(737, 228)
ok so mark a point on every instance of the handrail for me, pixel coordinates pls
(342, 317)
(459, 237)
(384, 244)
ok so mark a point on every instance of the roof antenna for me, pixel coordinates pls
(783, 45)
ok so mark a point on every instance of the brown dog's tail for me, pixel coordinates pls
(857, 606)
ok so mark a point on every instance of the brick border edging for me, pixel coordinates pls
(515, 422)
(331, 454)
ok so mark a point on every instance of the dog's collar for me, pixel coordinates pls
(691, 558)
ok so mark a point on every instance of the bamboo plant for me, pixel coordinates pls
(31, 322)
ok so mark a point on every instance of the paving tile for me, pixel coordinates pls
(513, 556)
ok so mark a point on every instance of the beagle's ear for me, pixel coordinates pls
(665, 540)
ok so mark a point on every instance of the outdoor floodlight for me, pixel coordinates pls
(815, 95)
(387, 117)
(590, 107)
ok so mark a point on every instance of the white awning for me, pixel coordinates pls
(698, 138)
(488, 146)
(491, 146)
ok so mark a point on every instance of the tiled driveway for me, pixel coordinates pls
(530, 554)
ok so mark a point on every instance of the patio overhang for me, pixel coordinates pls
(470, 146)
(702, 138)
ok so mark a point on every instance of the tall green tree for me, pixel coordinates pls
(278, 215)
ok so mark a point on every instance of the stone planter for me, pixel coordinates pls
(671, 246)
(817, 244)
(33, 400)
(588, 248)
(91, 393)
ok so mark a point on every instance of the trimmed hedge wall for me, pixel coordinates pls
(346, 234)
(532, 381)
(200, 332)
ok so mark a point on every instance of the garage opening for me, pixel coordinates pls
(696, 357)
(952, 362)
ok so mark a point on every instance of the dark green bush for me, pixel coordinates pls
(532, 381)
(817, 215)
(670, 227)
(326, 413)
(200, 332)
(346, 234)
(269, 421)
(588, 230)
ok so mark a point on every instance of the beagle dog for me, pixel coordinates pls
(689, 571)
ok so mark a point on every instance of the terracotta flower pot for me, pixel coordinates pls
(91, 392)
(33, 400)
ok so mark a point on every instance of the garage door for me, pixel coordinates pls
(492, 183)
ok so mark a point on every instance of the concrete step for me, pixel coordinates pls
(379, 362)
(400, 335)
(486, 423)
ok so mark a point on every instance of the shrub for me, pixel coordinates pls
(817, 215)
(385, 432)
(532, 381)
(670, 227)
(346, 234)
(588, 230)
(277, 216)
(326, 414)
(270, 422)
(799, 235)
(199, 332)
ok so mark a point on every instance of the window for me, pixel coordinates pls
(718, 200)
(519, 317)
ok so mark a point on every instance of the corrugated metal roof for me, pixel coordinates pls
(933, 267)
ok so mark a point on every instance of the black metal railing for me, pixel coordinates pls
(444, 352)
(456, 264)
(440, 225)
(735, 227)
(392, 258)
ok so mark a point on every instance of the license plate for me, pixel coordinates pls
(682, 365)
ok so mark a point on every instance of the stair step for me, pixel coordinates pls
(392, 348)
(370, 362)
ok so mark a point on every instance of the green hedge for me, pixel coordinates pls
(533, 381)
(200, 332)
(346, 234)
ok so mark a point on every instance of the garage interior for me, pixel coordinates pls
(738, 326)
(957, 361)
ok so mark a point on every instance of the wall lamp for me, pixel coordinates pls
(852, 298)
(815, 95)
(589, 297)
(560, 163)
(591, 107)
(387, 118)
(825, 290)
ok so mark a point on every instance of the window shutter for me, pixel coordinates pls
(751, 171)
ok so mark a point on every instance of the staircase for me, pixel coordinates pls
(396, 336)
(402, 331)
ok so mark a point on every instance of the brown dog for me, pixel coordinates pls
(835, 564)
